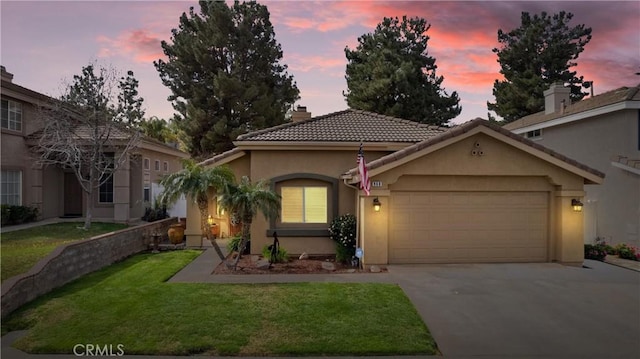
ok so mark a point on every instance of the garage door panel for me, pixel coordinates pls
(463, 227)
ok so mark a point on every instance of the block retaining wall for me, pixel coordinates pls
(73, 260)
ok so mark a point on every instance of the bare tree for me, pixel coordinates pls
(79, 132)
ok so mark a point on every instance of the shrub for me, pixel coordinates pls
(343, 231)
(155, 214)
(607, 247)
(594, 251)
(627, 252)
(280, 257)
(234, 243)
(18, 214)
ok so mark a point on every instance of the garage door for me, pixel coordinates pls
(468, 227)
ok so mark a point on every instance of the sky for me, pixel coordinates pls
(44, 43)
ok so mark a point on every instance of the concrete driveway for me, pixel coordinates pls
(527, 310)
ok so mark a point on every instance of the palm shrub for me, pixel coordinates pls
(244, 200)
(343, 231)
(196, 182)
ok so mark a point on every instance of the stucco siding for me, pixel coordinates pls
(612, 210)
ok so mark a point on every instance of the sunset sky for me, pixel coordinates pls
(44, 43)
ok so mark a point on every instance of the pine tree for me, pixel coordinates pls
(390, 72)
(225, 74)
(532, 57)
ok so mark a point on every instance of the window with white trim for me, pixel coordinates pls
(165, 166)
(11, 114)
(146, 164)
(146, 193)
(534, 134)
(11, 192)
(157, 165)
(304, 204)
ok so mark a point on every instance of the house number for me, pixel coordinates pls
(376, 183)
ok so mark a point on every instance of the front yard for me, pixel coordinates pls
(21, 250)
(131, 304)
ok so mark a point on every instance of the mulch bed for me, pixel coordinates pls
(312, 265)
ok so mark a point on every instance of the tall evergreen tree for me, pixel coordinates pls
(390, 72)
(225, 74)
(130, 111)
(537, 54)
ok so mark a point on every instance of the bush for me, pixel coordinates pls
(155, 214)
(234, 244)
(594, 251)
(18, 214)
(608, 248)
(343, 231)
(280, 257)
(627, 252)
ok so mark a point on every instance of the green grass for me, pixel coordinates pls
(131, 304)
(21, 250)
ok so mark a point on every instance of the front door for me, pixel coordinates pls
(72, 195)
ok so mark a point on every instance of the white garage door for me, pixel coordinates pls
(468, 227)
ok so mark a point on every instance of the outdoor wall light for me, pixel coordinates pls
(210, 220)
(576, 205)
(376, 204)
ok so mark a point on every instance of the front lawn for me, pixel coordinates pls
(130, 304)
(21, 250)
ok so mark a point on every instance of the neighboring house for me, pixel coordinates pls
(603, 132)
(55, 191)
(472, 193)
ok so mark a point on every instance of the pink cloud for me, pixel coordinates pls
(141, 45)
(303, 63)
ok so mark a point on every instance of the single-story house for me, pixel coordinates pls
(471, 193)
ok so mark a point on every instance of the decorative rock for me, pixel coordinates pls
(255, 258)
(304, 255)
(375, 269)
(351, 270)
(262, 264)
(328, 266)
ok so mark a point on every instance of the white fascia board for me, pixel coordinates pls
(626, 168)
(626, 105)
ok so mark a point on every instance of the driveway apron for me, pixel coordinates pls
(527, 310)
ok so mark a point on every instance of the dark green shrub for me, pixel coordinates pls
(155, 214)
(343, 231)
(595, 252)
(18, 214)
(281, 257)
(234, 244)
(627, 252)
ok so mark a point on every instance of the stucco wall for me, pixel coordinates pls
(71, 261)
(502, 167)
(612, 210)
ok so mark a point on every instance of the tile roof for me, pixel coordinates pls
(218, 158)
(608, 98)
(466, 127)
(347, 126)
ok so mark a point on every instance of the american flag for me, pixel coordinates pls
(365, 184)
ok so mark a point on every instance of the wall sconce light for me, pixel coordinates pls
(210, 220)
(576, 205)
(376, 204)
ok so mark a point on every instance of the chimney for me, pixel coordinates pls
(300, 114)
(6, 76)
(556, 98)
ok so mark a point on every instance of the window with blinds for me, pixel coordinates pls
(304, 205)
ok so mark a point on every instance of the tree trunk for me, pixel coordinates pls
(88, 214)
(203, 205)
(246, 227)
